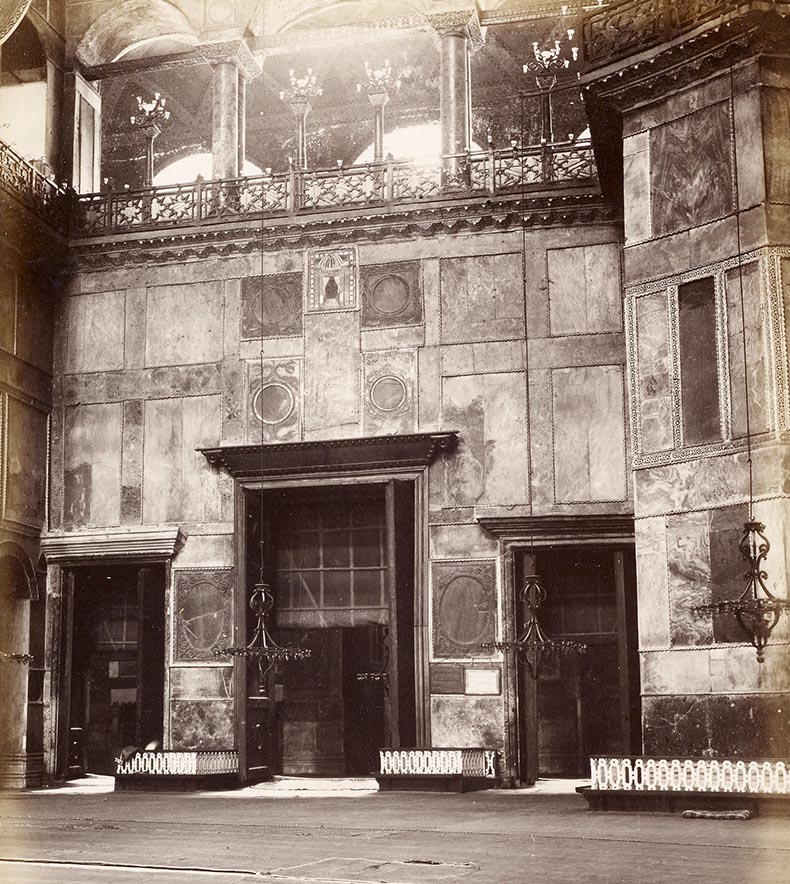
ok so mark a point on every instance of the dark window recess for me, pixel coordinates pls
(698, 372)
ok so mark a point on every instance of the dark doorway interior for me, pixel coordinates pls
(117, 664)
(341, 561)
(589, 704)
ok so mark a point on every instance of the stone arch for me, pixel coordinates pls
(345, 12)
(134, 24)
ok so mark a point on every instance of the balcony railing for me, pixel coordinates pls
(365, 186)
(31, 188)
(624, 28)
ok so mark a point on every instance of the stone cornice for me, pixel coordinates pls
(664, 69)
(486, 215)
(517, 528)
(140, 544)
(354, 455)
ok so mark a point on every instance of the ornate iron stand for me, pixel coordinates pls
(546, 65)
(149, 117)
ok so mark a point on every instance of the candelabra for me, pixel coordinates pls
(298, 97)
(149, 118)
(378, 85)
(533, 644)
(757, 610)
(546, 65)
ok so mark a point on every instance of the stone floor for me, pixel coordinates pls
(86, 833)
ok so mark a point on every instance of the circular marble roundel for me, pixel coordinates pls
(273, 403)
(388, 393)
(390, 295)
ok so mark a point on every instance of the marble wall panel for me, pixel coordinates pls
(541, 439)
(273, 348)
(429, 400)
(636, 187)
(727, 568)
(776, 125)
(389, 385)
(96, 326)
(584, 289)
(709, 482)
(184, 324)
(92, 466)
(684, 671)
(431, 300)
(149, 383)
(202, 724)
(7, 307)
(491, 462)
(25, 462)
(331, 374)
(691, 170)
(589, 434)
(134, 340)
(461, 541)
(658, 257)
(689, 570)
(202, 614)
(653, 373)
(391, 294)
(178, 483)
(651, 583)
(749, 141)
(466, 721)
(748, 726)
(716, 241)
(34, 325)
(487, 358)
(274, 411)
(206, 550)
(271, 306)
(132, 463)
(391, 338)
(201, 683)
(464, 606)
(756, 355)
(482, 298)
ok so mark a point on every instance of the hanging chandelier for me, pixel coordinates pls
(533, 646)
(757, 609)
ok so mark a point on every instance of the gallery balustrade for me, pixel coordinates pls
(31, 188)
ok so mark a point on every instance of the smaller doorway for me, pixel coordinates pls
(588, 704)
(117, 665)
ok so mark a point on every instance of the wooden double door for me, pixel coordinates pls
(341, 562)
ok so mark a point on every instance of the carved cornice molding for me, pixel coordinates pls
(141, 544)
(231, 51)
(665, 69)
(485, 216)
(523, 528)
(459, 21)
(361, 454)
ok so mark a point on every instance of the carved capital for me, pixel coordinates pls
(465, 22)
(231, 52)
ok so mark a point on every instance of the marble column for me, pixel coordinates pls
(232, 65)
(459, 35)
(52, 130)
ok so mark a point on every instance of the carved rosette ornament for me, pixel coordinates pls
(460, 21)
(11, 13)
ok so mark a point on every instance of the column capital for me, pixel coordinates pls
(465, 22)
(231, 52)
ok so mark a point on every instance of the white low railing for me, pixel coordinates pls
(611, 773)
(438, 762)
(179, 763)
